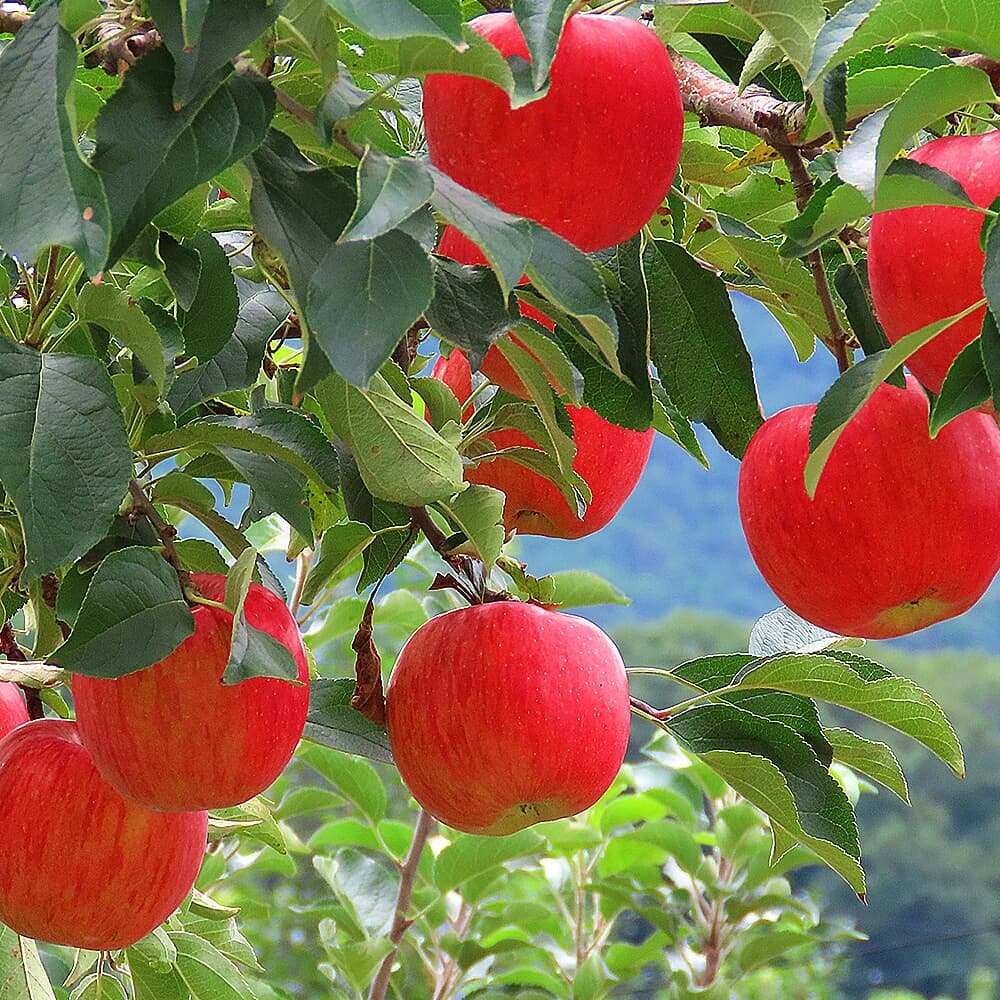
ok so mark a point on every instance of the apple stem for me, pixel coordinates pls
(646, 710)
(400, 920)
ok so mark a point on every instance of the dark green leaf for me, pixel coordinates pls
(50, 194)
(182, 269)
(852, 284)
(541, 23)
(333, 723)
(274, 486)
(697, 347)
(989, 341)
(226, 121)
(208, 324)
(403, 18)
(965, 387)
(66, 460)
(390, 190)
(871, 758)
(132, 616)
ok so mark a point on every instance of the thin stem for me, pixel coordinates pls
(400, 921)
(302, 566)
(141, 504)
(12, 651)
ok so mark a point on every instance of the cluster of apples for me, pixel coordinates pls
(103, 820)
(904, 530)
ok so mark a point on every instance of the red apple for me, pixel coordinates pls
(13, 711)
(173, 737)
(81, 865)
(610, 460)
(903, 532)
(594, 158)
(502, 715)
(926, 264)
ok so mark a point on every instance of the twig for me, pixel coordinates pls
(400, 921)
(142, 505)
(303, 563)
(12, 21)
(119, 47)
(12, 651)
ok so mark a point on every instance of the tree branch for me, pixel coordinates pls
(400, 921)
(143, 506)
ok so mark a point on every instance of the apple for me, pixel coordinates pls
(925, 264)
(505, 714)
(81, 865)
(173, 737)
(594, 158)
(13, 710)
(903, 532)
(610, 460)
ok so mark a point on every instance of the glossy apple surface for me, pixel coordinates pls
(903, 532)
(594, 158)
(13, 710)
(174, 737)
(502, 715)
(80, 864)
(925, 263)
(610, 460)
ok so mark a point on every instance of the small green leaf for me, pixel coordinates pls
(793, 25)
(468, 856)
(580, 588)
(333, 723)
(966, 386)
(403, 18)
(209, 324)
(22, 975)
(989, 342)
(354, 778)
(541, 25)
(205, 971)
(390, 190)
(132, 616)
(364, 886)
(342, 544)
(871, 758)
(478, 514)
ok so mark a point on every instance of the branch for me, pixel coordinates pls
(143, 506)
(118, 47)
(12, 651)
(12, 21)
(400, 921)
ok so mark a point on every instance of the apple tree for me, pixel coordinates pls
(308, 308)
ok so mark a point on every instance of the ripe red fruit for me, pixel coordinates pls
(13, 711)
(503, 715)
(610, 460)
(594, 158)
(926, 264)
(903, 532)
(174, 737)
(81, 865)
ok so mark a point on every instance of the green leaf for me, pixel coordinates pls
(274, 487)
(541, 24)
(99, 987)
(225, 122)
(390, 190)
(113, 310)
(66, 460)
(580, 588)
(990, 344)
(863, 24)
(365, 887)
(697, 347)
(237, 364)
(226, 28)
(793, 24)
(468, 856)
(255, 822)
(363, 297)
(209, 324)
(354, 778)
(22, 975)
(402, 18)
(878, 139)
(966, 386)
(863, 686)
(132, 616)
(478, 514)
(282, 432)
(333, 723)
(157, 949)
(400, 457)
(51, 196)
(342, 544)
(206, 972)
(152, 983)
(871, 758)
(851, 281)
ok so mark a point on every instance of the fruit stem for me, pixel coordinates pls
(400, 921)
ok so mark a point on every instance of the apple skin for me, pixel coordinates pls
(173, 737)
(610, 459)
(503, 715)
(81, 865)
(903, 532)
(13, 711)
(925, 263)
(594, 158)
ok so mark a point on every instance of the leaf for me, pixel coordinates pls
(580, 588)
(468, 856)
(966, 386)
(22, 975)
(51, 196)
(541, 24)
(390, 190)
(399, 456)
(274, 487)
(152, 983)
(697, 347)
(989, 342)
(225, 122)
(282, 432)
(354, 778)
(342, 544)
(363, 297)
(851, 281)
(333, 723)
(877, 141)
(133, 615)
(206, 972)
(365, 887)
(226, 28)
(66, 460)
(863, 686)
(793, 24)
(113, 310)
(863, 24)
(478, 514)
(876, 760)
(403, 18)
(783, 631)
(237, 364)
(99, 987)
(208, 325)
